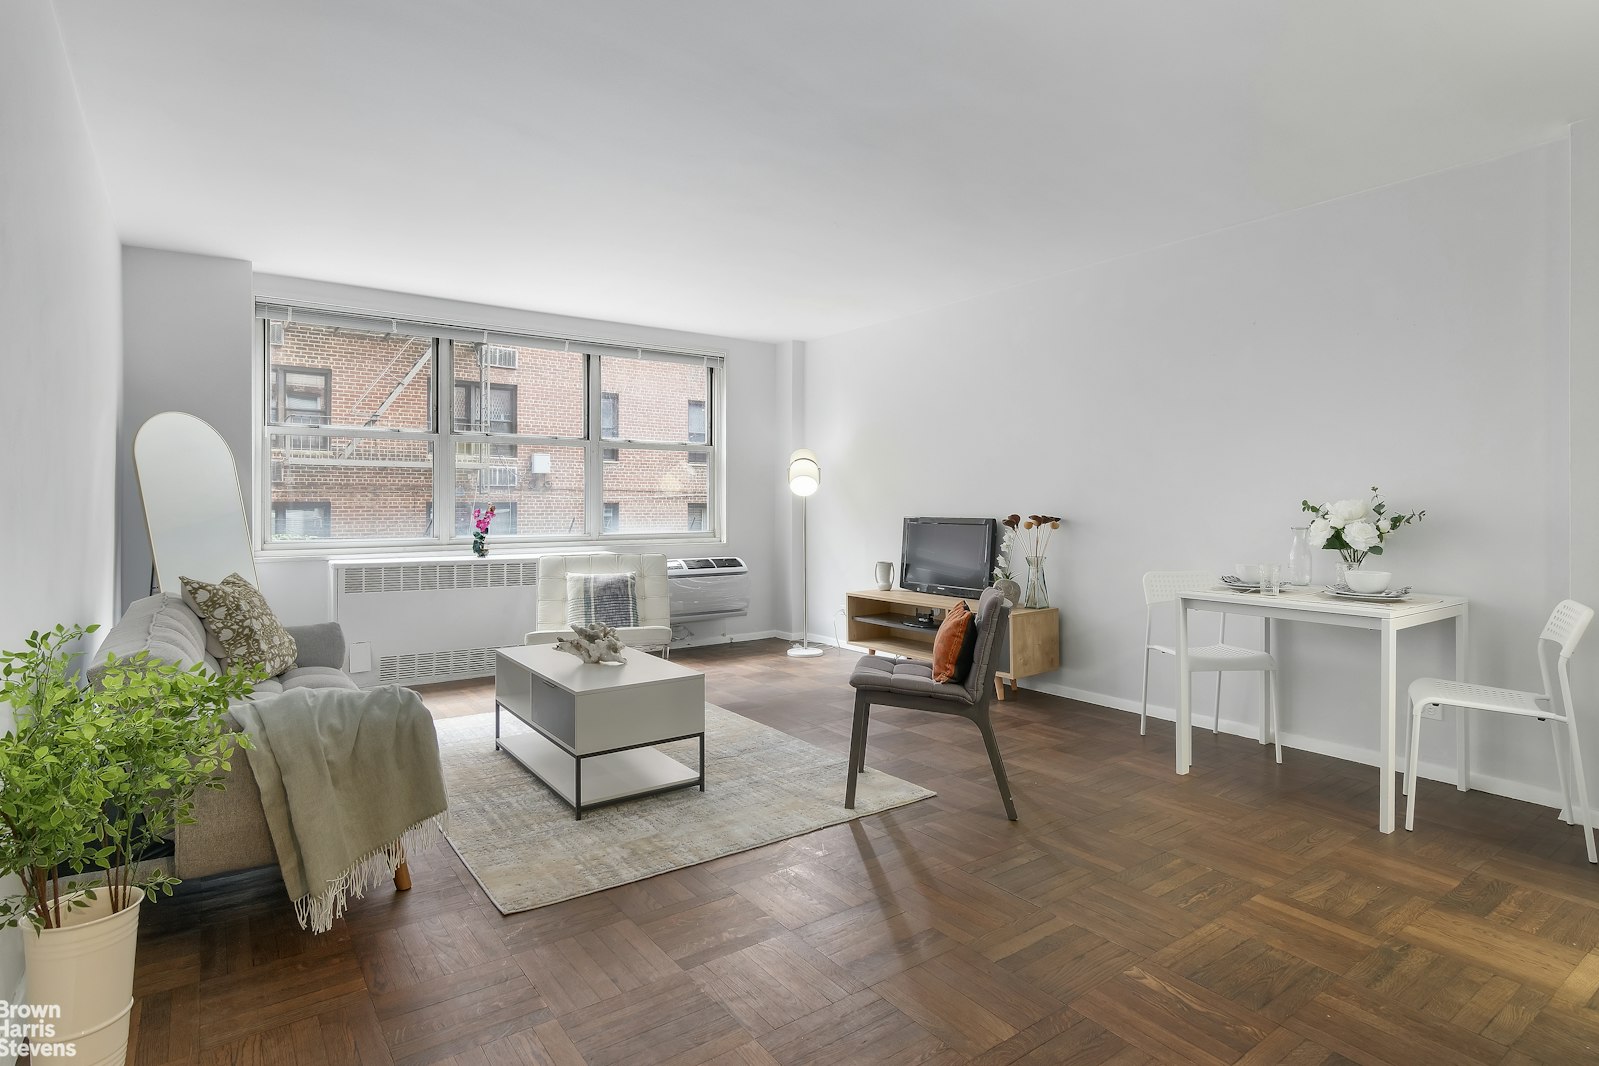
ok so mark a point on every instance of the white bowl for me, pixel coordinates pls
(1367, 580)
(1249, 573)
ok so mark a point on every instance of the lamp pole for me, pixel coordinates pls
(804, 478)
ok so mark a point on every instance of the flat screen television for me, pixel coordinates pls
(947, 556)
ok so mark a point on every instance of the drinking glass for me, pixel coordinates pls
(1269, 574)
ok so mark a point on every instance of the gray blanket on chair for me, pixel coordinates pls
(349, 780)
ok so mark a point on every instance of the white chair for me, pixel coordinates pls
(1162, 586)
(1555, 644)
(654, 631)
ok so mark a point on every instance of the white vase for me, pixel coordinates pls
(86, 969)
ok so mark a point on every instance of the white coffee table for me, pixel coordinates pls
(595, 727)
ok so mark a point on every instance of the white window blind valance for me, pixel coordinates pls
(371, 323)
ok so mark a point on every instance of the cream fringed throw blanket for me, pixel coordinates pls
(349, 780)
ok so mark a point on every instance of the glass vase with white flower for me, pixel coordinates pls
(1355, 529)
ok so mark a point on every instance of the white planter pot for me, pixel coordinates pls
(86, 969)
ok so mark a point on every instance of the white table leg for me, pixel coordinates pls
(1462, 741)
(1265, 680)
(1185, 735)
(1385, 760)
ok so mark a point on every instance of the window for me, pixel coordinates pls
(610, 416)
(469, 413)
(696, 429)
(570, 440)
(302, 397)
(301, 520)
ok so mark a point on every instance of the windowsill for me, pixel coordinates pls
(677, 546)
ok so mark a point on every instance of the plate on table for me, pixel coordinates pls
(1390, 596)
(1238, 584)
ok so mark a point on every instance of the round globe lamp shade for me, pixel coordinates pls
(804, 473)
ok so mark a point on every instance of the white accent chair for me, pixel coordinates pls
(1162, 586)
(1555, 645)
(654, 631)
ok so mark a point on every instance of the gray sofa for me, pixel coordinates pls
(229, 831)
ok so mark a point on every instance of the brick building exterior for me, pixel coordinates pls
(325, 486)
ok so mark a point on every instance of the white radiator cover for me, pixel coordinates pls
(429, 621)
(434, 620)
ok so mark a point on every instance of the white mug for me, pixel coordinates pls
(885, 576)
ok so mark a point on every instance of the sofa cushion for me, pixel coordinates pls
(909, 676)
(162, 625)
(238, 617)
(314, 677)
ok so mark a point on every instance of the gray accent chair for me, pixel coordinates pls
(909, 683)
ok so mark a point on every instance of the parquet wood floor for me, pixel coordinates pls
(1247, 914)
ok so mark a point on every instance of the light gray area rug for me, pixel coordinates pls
(524, 847)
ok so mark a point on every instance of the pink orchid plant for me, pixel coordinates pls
(481, 517)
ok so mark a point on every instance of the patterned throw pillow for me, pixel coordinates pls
(608, 598)
(241, 629)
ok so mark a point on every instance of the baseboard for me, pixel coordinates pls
(1480, 782)
(729, 638)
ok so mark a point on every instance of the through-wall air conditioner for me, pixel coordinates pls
(500, 355)
(712, 587)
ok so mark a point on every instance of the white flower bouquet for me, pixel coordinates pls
(1355, 528)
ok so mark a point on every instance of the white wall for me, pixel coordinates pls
(60, 317)
(210, 376)
(1177, 405)
(186, 336)
(1584, 541)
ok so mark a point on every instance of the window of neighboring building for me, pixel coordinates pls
(302, 520)
(470, 415)
(516, 426)
(696, 429)
(302, 396)
(610, 419)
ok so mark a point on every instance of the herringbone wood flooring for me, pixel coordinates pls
(1247, 914)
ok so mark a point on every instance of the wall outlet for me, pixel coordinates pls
(1433, 711)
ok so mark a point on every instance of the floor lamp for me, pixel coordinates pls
(804, 478)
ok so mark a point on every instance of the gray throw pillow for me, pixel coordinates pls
(608, 598)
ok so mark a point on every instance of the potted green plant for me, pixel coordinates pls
(90, 776)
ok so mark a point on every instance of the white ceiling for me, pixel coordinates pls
(782, 169)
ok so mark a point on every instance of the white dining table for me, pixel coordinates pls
(1299, 604)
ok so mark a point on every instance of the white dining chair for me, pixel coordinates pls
(1555, 645)
(1162, 586)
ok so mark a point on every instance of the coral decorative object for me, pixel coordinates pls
(593, 644)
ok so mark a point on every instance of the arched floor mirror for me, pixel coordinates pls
(193, 509)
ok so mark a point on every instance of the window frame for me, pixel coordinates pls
(443, 436)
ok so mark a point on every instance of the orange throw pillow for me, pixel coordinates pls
(947, 644)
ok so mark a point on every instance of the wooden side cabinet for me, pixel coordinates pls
(885, 620)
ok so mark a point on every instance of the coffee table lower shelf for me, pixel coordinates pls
(603, 777)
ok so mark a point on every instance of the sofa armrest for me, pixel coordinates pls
(319, 645)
